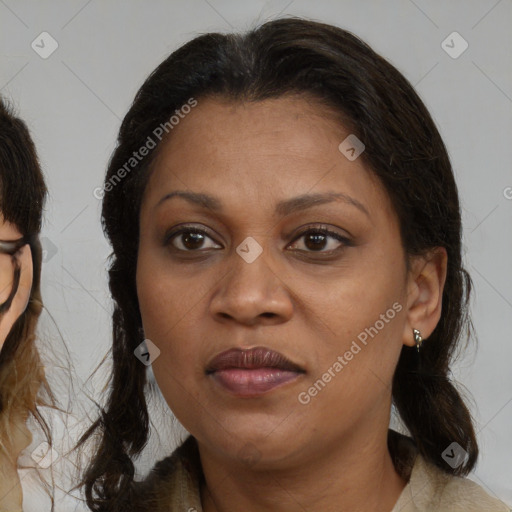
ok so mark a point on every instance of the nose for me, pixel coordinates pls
(251, 294)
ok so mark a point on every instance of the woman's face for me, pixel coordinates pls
(9, 232)
(261, 273)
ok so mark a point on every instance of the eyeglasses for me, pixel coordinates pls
(10, 270)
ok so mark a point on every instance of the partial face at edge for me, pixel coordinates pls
(9, 232)
(308, 295)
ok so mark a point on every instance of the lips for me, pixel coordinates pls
(252, 372)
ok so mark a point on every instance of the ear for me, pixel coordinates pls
(425, 284)
(20, 300)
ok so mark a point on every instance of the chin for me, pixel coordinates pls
(258, 446)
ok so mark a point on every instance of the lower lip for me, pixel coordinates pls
(253, 382)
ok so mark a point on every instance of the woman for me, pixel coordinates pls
(286, 242)
(22, 196)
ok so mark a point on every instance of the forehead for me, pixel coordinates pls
(261, 152)
(8, 230)
(217, 126)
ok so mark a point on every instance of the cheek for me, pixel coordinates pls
(354, 301)
(365, 314)
(166, 298)
(353, 374)
(171, 309)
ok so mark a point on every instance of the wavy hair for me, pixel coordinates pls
(22, 197)
(403, 149)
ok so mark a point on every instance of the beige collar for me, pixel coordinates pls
(175, 483)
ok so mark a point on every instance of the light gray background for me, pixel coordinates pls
(74, 100)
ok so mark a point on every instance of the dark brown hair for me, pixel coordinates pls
(404, 150)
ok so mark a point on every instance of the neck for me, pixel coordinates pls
(353, 474)
(11, 496)
(10, 486)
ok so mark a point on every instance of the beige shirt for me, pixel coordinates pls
(431, 490)
(174, 484)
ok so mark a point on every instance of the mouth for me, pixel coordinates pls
(252, 372)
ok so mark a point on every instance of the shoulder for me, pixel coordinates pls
(431, 489)
(174, 482)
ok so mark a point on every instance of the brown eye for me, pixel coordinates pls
(315, 241)
(190, 239)
(320, 240)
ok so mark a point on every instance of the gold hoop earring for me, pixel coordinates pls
(417, 338)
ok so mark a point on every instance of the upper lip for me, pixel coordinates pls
(258, 357)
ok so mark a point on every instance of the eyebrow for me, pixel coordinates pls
(283, 208)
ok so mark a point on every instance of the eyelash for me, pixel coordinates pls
(309, 230)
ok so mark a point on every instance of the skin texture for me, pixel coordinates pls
(10, 487)
(273, 452)
(11, 492)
